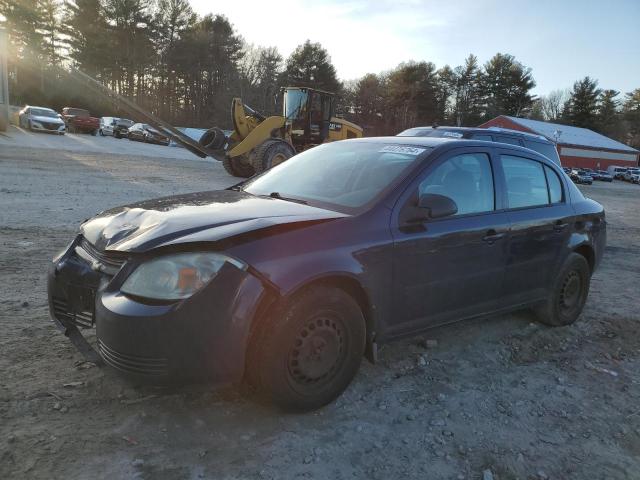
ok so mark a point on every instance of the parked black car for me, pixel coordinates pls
(121, 128)
(535, 142)
(142, 132)
(289, 278)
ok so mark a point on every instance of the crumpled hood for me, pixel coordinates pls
(195, 217)
(37, 118)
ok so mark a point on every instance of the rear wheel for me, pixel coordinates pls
(305, 355)
(271, 153)
(569, 293)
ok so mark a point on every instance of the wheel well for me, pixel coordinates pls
(353, 288)
(587, 252)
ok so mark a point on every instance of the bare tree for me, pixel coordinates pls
(553, 104)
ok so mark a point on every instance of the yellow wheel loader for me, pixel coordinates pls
(258, 143)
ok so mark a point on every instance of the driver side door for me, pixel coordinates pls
(453, 267)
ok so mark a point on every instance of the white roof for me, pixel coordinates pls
(569, 135)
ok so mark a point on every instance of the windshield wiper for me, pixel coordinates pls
(287, 199)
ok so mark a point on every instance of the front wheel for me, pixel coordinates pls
(306, 353)
(569, 293)
(271, 153)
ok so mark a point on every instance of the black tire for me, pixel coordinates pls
(214, 138)
(101, 133)
(271, 153)
(29, 126)
(306, 353)
(569, 293)
(238, 167)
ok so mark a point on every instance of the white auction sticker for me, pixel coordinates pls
(401, 149)
(452, 134)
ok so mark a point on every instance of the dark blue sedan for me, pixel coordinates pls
(288, 279)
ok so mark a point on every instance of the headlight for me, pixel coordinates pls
(176, 277)
(36, 124)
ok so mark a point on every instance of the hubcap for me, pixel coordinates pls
(571, 290)
(317, 351)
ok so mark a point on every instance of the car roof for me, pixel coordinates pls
(507, 131)
(41, 108)
(442, 143)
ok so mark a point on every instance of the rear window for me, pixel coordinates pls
(431, 132)
(508, 140)
(546, 149)
(415, 132)
(483, 137)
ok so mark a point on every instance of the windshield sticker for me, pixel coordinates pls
(452, 134)
(401, 149)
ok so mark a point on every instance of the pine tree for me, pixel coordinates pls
(50, 30)
(310, 66)
(608, 115)
(469, 95)
(631, 113)
(582, 107)
(507, 85)
(88, 36)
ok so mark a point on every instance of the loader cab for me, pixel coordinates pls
(308, 114)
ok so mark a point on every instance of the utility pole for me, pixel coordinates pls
(4, 81)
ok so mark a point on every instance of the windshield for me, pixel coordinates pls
(295, 103)
(344, 176)
(43, 112)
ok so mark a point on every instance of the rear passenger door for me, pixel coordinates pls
(540, 217)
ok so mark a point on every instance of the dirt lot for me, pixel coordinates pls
(502, 398)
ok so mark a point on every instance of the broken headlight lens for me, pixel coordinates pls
(176, 277)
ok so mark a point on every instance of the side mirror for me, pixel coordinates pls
(437, 206)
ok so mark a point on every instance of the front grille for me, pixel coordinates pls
(50, 126)
(133, 364)
(108, 262)
(62, 312)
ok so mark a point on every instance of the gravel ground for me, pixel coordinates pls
(502, 398)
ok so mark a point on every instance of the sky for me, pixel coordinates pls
(562, 40)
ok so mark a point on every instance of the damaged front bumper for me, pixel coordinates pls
(203, 337)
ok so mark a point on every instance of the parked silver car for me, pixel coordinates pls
(631, 175)
(41, 119)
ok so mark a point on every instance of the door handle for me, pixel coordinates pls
(559, 226)
(491, 236)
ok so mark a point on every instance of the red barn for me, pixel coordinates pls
(577, 147)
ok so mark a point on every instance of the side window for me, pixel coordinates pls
(509, 140)
(555, 187)
(545, 149)
(526, 182)
(480, 136)
(467, 179)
